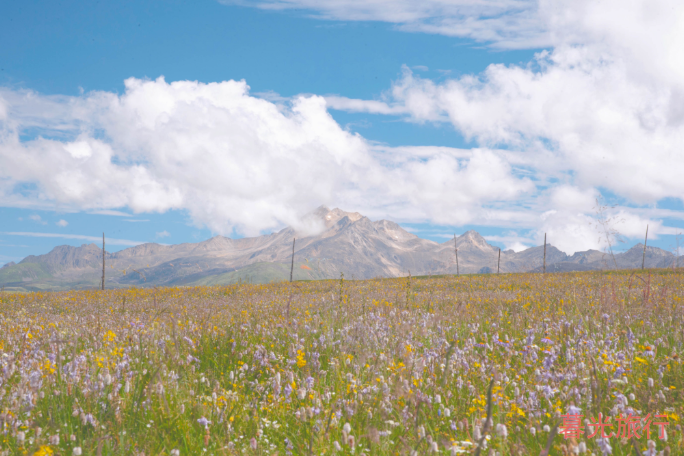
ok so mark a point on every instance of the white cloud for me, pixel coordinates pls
(36, 218)
(369, 106)
(97, 239)
(110, 212)
(62, 223)
(506, 23)
(600, 111)
(512, 241)
(163, 234)
(571, 198)
(233, 161)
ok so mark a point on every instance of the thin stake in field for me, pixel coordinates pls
(643, 258)
(544, 253)
(456, 250)
(292, 265)
(103, 262)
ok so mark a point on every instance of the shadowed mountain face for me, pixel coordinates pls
(347, 243)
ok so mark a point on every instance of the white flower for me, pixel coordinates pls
(501, 430)
(77, 451)
(175, 452)
(476, 433)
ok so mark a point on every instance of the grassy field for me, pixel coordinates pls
(490, 365)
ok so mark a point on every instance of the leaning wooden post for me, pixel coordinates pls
(103, 261)
(456, 250)
(498, 264)
(544, 253)
(643, 258)
(292, 266)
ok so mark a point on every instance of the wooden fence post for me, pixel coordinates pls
(292, 265)
(643, 258)
(456, 250)
(544, 253)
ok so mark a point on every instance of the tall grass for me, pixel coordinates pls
(448, 365)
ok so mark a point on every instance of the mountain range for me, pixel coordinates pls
(349, 243)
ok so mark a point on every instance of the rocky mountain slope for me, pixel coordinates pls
(349, 243)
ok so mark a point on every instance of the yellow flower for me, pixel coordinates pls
(44, 450)
(301, 362)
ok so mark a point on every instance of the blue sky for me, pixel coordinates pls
(440, 118)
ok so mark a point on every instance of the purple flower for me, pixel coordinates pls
(192, 358)
(204, 422)
(572, 410)
(502, 343)
(604, 446)
(90, 419)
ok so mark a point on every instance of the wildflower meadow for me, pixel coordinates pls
(510, 364)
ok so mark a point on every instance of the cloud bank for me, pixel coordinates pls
(233, 161)
(599, 112)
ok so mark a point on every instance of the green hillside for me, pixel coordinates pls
(23, 272)
(263, 273)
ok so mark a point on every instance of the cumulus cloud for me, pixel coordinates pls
(600, 111)
(512, 241)
(233, 161)
(163, 234)
(62, 223)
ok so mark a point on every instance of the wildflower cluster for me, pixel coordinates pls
(500, 365)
